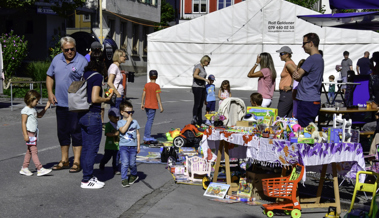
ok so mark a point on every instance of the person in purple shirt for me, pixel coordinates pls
(309, 77)
(65, 68)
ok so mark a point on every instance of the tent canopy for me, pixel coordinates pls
(359, 21)
(234, 36)
(354, 4)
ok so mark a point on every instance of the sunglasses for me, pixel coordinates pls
(129, 112)
(304, 43)
(282, 53)
(69, 49)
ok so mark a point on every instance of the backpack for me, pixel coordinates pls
(77, 95)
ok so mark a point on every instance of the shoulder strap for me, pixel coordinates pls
(92, 75)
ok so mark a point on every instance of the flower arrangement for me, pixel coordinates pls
(215, 118)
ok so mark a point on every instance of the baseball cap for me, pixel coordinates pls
(96, 45)
(114, 112)
(211, 77)
(285, 49)
(153, 73)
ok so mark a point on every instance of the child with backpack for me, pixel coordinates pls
(152, 93)
(29, 124)
(111, 149)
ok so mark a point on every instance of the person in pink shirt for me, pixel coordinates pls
(267, 76)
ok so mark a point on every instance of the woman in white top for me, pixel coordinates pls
(115, 77)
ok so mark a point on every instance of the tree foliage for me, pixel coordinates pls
(61, 7)
(167, 15)
(310, 4)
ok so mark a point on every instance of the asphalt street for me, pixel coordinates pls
(154, 195)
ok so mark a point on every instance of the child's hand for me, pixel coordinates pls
(142, 107)
(47, 105)
(138, 149)
(130, 118)
(117, 133)
(26, 138)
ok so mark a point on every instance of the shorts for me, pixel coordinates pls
(68, 127)
(211, 106)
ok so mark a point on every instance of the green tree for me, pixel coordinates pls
(167, 15)
(61, 7)
(308, 4)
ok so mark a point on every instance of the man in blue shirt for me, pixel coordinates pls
(309, 77)
(363, 64)
(65, 68)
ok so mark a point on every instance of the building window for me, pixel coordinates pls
(200, 6)
(224, 3)
(135, 48)
(86, 18)
(111, 26)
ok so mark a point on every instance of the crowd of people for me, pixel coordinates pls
(84, 129)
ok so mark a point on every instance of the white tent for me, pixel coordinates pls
(234, 36)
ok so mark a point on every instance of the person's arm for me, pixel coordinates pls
(196, 75)
(252, 72)
(49, 86)
(125, 128)
(138, 142)
(230, 94)
(160, 102)
(24, 118)
(291, 69)
(298, 74)
(219, 95)
(357, 68)
(41, 113)
(109, 133)
(143, 100)
(95, 95)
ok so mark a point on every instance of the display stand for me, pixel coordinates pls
(224, 148)
(317, 199)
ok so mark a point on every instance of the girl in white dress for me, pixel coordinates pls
(224, 91)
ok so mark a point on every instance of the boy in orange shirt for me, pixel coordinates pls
(151, 92)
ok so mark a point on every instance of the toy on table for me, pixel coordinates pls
(319, 137)
(286, 188)
(170, 135)
(343, 124)
(189, 135)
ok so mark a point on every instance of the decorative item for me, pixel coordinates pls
(217, 190)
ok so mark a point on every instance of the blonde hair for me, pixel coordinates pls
(267, 62)
(205, 58)
(30, 96)
(67, 39)
(117, 55)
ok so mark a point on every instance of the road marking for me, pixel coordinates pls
(40, 150)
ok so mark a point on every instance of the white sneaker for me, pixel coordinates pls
(91, 184)
(97, 181)
(26, 172)
(43, 171)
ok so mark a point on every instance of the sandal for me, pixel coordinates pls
(75, 168)
(65, 165)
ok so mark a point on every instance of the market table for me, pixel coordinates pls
(338, 92)
(346, 159)
(342, 110)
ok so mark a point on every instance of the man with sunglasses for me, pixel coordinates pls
(65, 68)
(309, 77)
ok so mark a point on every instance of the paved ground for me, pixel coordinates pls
(154, 195)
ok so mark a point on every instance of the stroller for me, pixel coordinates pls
(233, 109)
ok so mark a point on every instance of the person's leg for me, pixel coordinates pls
(200, 109)
(124, 162)
(150, 113)
(76, 135)
(27, 157)
(115, 160)
(63, 132)
(344, 80)
(285, 104)
(106, 157)
(197, 102)
(309, 111)
(294, 108)
(132, 160)
(266, 102)
(34, 153)
(91, 131)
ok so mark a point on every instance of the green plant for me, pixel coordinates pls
(14, 52)
(167, 15)
(19, 92)
(55, 44)
(37, 70)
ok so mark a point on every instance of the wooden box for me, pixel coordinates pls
(245, 123)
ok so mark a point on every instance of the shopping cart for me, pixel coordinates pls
(285, 188)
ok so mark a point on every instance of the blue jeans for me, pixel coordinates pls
(108, 154)
(128, 156)
(331, 97)
(91, 125)
(118, 102)
(149, 123)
